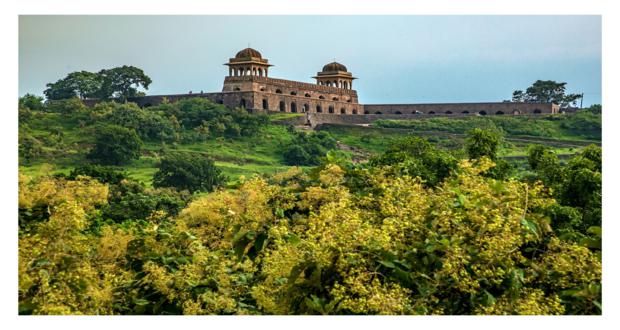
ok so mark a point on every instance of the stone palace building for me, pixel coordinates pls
(331, 98)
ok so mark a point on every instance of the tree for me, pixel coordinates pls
(188, 171)
(82, 84)
(115, 145)
(415, 156)
(546, 91)
(31, 102)
(122, 82)
(482, 143)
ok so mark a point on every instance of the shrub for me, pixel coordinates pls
(188, 171)
(115, 145)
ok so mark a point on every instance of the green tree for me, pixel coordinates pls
(82, 84)
(546, 91)
(482, 143)
(104, 174)
(31, 102)
(115, 145)
(188, 171)
(122, 82)
(415, 156)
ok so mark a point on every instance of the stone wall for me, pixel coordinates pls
(490, 108)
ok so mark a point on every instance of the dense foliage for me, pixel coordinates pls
(188, 172)
(115, 145)
(120, 82)
(308, 148)
(339, 239)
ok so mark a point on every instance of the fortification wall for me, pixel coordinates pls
(490, 108)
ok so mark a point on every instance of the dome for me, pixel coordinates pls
(248, 52)
(334, 66)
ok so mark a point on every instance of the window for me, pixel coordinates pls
(265, 104)
(278, 91)
(322, 97)
(343, 111)
(331, 109)
(307, 95)
(319, 109)
(293, 107)
(282, 106)
(293, 93)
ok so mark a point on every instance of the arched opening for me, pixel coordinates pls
(448, 112)
(331, 109)
(499, 113)
(354, 111)
(237, 88)
(278, 91)
(319, 109)
(378, 113)
(293, 107)
(343, 111)
(321, 97)
(307, 95)
(282, 106)
(242, 103)
(265, 104)
(349, 100)
(418, 112)
(305, 108)
(262, 89)
(398, 113)
(293, 93)
(516, 112)
(334, 99)
(260, 72)
(465, 112)
(220, 101)
(537, 111)
(431, 112)
(366, 112)
(482, 113)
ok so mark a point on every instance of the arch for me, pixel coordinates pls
(431, 112)
(265, 104)
(349, 100)
(293, 107)
(516, 112)
(499, 113)
(242, 103)
(305, 108)
(465, 112)
(282, 106)
(331, 109)
(343, 111)
(482, 113)
(398, 113)
(262, 89)
(366, 112)
(378, 113)
(448, 112)
(319, 109)
(293, 93)
(220, 101)
(278, 91)
(321, 97)
(307, 95)
(345, 85)
(334, 99)
(237, 88)
(418, 112)
(537, 111)
(354, 111)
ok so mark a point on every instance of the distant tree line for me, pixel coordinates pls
(547, 91)
(120, 82)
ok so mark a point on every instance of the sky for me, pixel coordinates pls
(397, 59)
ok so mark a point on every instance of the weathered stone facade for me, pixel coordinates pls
(249, 86)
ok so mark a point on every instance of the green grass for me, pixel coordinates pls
(580, 126)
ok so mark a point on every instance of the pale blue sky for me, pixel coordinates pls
(398, 59)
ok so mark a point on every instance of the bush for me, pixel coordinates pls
(104, 174)
(115, 145)
(188, 171)
(308, 148)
